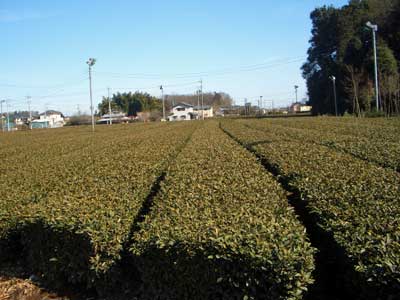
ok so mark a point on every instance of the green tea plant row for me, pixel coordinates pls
(31, 144)
(221, 228)
(27, 176)
(356, 201)
(76, 230)
(382, 130)
(380, 150)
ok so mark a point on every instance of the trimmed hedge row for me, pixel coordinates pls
(33, 170)
(379, 129)
(221, 228)
(378, 143)
(354, 200)
(76, 231)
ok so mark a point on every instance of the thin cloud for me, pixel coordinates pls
(7, 16)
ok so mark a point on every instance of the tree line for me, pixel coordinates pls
(134, 103)
(342, 46)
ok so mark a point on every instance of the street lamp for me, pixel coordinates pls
(374, 29)
(333, 78)
(91, 63)
(163, 101)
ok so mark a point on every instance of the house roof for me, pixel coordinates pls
(183, 104)
(114, 115)
(200, 108)
(39, 121)
(52, 112)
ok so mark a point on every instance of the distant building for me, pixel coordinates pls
(206, 109)
(114, 117)
(305, 108)
(181, 112)
(299, 108)
(49, 119)
(19, 121)
(143, 116)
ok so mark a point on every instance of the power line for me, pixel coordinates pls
(51, 87)
(225, 71)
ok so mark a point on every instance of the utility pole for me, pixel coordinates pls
(198, 102)
(202, 98)
(91, 63)
(45, 115)
(28, 99)
(109, 106)
(296, 88)
(1, 114)
(163, 102)
(374, 29)
(333, 78)
(260, 104)
(8, 116)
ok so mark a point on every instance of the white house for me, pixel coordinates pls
(206, 109)
(49, 119)
(181, 112)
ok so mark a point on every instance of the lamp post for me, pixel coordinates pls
(163, 102)
(333, 78)
(374, 29)
(91, 63)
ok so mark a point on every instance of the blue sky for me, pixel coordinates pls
(244, 48)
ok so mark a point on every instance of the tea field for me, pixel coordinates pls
(297, 208)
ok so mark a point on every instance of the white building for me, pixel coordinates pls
(181, 112)
(114, 117)
(49, 119)
(305, 108)
(299, 108)
(207, 110)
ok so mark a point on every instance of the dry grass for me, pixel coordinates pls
(17, 289)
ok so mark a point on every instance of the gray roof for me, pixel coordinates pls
(52, 112)
(200, 108)
(183, 104)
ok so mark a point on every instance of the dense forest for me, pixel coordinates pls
(342, 46)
